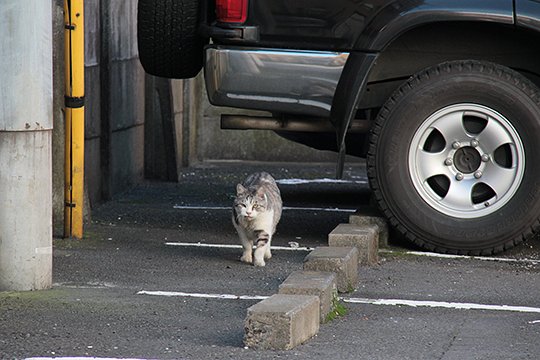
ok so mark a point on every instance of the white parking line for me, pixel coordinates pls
(318, 181)
(78, 358)
(230, 246)
(387, 302)
(442, 304)
(382, 251)
(202, 296)
(448, 256)
(285, 208)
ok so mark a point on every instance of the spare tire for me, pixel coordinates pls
(168, 39)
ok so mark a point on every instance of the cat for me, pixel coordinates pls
(256, 213)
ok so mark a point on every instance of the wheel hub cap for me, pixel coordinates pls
(466, 161)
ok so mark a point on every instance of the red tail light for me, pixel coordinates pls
(231, 11)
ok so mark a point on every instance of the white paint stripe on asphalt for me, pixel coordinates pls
(442, 304)
(388, 302)
(229, 246)
(202, 296)
(383, 251)
(189, 207)
(318, 181)
(285, 208)
(319, 209)
(78, 358)
(448, 256)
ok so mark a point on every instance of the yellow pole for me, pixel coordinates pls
(74, 117)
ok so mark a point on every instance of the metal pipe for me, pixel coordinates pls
(74, 117)
(299, 124)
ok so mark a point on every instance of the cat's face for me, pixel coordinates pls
(249, 203)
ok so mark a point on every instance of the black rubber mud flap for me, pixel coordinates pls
(350, 89)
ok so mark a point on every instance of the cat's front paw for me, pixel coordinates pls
(247, 258)
(259, 262)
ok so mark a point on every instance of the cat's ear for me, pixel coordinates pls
(240, 189)
(261, 193)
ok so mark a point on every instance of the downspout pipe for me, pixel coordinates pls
(74, 118)
(26, 100)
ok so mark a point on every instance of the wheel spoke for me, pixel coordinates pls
(493, 136)
(451, 127)
(498, 178)
(431, 164)
(459, 195)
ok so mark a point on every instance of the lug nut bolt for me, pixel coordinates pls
(485, 158)
(486, 204)
(474, 143)
(448, 162)
(459, 176)
(456, 145)
(478, 174)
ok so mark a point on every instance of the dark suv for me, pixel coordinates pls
(440, 96)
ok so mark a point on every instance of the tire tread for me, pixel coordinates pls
(168, 40)
(416, 80)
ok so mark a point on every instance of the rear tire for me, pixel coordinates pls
(454, 161)
(168, 39)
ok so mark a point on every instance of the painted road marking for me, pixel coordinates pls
(442, 304)
(382, 251)
(79, 358)
(285, 208)
(448, 256)
(202, 296)
(386, 302)
(318, 181)
(230, 246)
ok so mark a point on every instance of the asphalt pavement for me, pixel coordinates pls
(158, 277)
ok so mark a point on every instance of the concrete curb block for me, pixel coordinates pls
(320, 284)
(361, 219)
(341, 260)
(281, 322)
(306, 297)
(365, 238)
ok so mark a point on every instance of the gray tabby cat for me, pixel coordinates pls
(256, 213)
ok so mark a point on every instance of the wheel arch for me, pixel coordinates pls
(399, 17)
(369, 78)
(430, 44)
(365, 82)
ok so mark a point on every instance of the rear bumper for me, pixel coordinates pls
(276, 80)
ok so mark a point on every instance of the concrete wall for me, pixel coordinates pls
(92, 91)
(126, 97)
(114, 102)
(115, 99)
